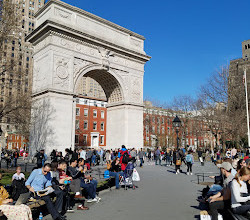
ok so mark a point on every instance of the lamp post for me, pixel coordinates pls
(177, 125)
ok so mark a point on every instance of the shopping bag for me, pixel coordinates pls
(135, 176)
(205, 216)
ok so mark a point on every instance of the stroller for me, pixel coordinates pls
(126, 179)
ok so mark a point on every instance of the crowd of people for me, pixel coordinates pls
(66, 178)
(230, 190)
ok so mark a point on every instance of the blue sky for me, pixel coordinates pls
(187, 39)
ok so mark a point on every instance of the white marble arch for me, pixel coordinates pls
(70, 43)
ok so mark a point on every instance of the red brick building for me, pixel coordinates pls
(90, 124)
(16, 142)
(158, 129)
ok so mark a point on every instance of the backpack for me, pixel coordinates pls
(125, 158)
(106, 174)
(189, 158)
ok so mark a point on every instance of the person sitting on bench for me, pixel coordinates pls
(115, 170)
(76, 174)
(240, 197)
(39, 180)
(81, 163)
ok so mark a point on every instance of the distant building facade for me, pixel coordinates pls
(16, 142)
(158, 129)
(90, 124)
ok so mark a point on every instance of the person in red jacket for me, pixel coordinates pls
(124, 157)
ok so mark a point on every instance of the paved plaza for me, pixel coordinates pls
(160, 194)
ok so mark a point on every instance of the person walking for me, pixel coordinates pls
(133, 155)
(168, 157)
(177, 161)
(15, 157)
(200, 156)
(141, 156)
(190, 161)
(157, 156)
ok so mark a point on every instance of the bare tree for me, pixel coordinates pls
(223, 106)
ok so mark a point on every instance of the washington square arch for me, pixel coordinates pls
(70, 43)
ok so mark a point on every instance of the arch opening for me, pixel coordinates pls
(109, 84)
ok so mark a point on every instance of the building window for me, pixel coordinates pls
(85, 112)
(163, 130)
(153, 129)
(102, 139)
(94, 113)
(102, 114)
(102, 126)
(153, 119)
(85, 138)
(85, 125)
(77, 125)
(76, 139)
(77, 111)
(162, 120)
(94, 125)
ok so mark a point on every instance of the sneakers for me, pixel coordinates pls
(70, 210)
(92, 200)
(176, 173)
(98, 199)
(191, 174)
(187, 173)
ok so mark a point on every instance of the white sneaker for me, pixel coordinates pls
(94, 200)
(90, 200)
(98, 199)
(176, 173)
(187, 173)
(191, 174)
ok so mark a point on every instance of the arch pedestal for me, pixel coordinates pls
(70, 43)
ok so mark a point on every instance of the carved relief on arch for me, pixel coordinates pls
(79, 64)
(61, 73)
(136, 89)
(123, 76)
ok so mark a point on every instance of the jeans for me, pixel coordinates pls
(89, 189)
(93, 159)
(141, 159)
(54, 209)
(189, 167)
(116, 175)
(168, 160)
(157, 157)
(15, 162)
(214, 189)
(94, 183)
(243, 209)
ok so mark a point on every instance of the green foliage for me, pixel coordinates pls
(7, 176)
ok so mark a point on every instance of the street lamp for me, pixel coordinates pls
(177, 125)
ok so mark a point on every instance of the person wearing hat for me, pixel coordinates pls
(221, 200)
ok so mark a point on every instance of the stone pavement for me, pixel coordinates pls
(161, 194)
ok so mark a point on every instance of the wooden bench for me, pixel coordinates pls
(236, 216)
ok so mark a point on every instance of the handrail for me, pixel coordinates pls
(203, 175)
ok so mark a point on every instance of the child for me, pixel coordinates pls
(190, 161)
(18, 175)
